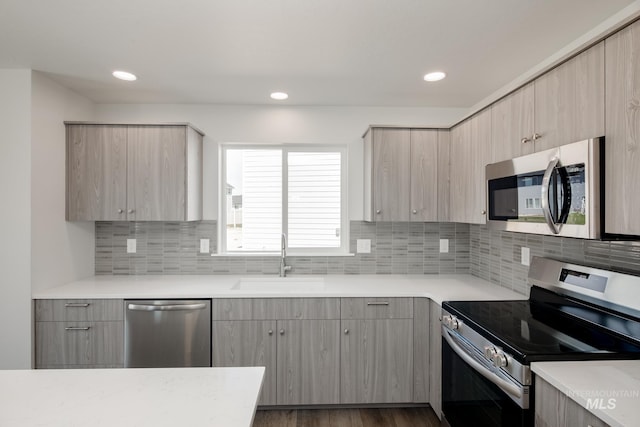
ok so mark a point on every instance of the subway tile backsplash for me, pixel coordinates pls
(173, 248)
(495, 255)
(396, 248)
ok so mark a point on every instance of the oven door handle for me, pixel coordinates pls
(544, 196)
(509, 388)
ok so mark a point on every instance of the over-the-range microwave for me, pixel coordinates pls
(554, 192)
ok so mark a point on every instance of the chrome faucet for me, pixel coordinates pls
(283, 255)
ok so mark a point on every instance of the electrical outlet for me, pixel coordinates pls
(525, 255)
(204, 246)
(131, 246)
(444, 246)
(363, 246)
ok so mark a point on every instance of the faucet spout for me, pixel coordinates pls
(283, 256)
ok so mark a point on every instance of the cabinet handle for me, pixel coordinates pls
(483, 212)
(77, 305)
(77, 328)
(378, 211)
(120, 211)
(131, 211)
(536, 136)
(415, 211)
(378, 303)
(346, 331)
(281, 331)
(525, 140)
(270, 332)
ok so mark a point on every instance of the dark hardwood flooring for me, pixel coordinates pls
(365, 417)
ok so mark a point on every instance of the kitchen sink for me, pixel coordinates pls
(280, 284)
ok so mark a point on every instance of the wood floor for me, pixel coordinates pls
(369, 417)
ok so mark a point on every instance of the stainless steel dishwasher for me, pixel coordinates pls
(167, 333)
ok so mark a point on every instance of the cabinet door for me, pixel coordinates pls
(68, 344)
(435, 359)
(444, 151)
(511, 122)
(424, 175)
(96, 173)
(421, 351)
(247, 343)
(622, 145)
(569, 101)
(470, 153)
(308, 362)
(156, 173)
(390, 178)
(377, 361)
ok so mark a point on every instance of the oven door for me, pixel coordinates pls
(474, 393)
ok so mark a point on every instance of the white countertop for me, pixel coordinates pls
(609, 379)
(437, 287)
(224, 397)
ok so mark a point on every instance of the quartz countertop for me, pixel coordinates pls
(436, 287)
(586, 381)
(224, 397)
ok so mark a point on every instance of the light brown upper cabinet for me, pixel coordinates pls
(622, 144)
(470, 153)
(402, 179)
(133, 172)
(569, 101)
(562, 106)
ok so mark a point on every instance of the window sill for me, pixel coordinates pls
(277, 255)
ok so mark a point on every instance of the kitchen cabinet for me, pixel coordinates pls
(296, 339)
(562, 106)
(435, 358)
(401, 173)
(554, 409)
(569, 101)
(376, 358)
(622, 144)
(444, 147)
(421, 351)
(79, 333)
(133, 172)
(470, 153)
(511, 124)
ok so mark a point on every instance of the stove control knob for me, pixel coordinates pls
(490, 352)
(500, 360)
(446, 320)
(455, 323)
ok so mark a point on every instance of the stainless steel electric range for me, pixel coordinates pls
(573, 313)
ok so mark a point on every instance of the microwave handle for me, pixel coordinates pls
(544, 197)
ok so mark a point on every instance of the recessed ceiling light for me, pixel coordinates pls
(279, 96)
(123, 75)
(435, 76)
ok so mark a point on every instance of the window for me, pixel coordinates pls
(532, 203)
(296, 190)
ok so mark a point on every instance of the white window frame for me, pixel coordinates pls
(286, 148)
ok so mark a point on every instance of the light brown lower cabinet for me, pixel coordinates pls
(435, 358)
(554, 409)
(376, 361)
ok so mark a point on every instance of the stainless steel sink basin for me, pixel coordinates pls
(280, 284)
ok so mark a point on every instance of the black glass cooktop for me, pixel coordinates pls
(551, 327)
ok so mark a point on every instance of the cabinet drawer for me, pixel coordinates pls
(376, 308)
(79, 343)
(275, 308)
(79, 310)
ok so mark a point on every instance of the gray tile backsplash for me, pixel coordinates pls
(495, 255)
(173, 248)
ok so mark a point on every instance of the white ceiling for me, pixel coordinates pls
(322, 52)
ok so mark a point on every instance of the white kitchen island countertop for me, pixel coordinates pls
(593, 383)
(224, 397)
(437, 287)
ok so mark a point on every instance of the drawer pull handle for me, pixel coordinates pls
(281, 331)
(270, 332)
(378, 303)
(346, 331)
(77, 328)
(77, 305)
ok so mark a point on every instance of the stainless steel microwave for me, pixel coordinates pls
(554, 192)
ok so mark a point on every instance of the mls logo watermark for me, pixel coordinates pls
(604, 400)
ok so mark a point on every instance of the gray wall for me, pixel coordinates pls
(172, 248)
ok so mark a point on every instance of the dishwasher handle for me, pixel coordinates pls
(167, 307)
